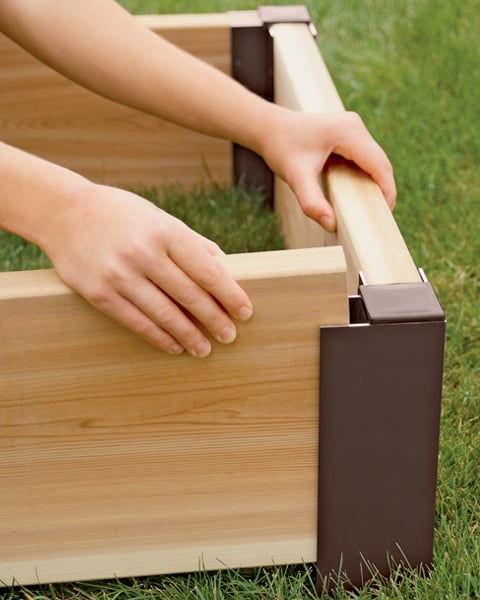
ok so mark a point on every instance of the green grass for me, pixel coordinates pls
(411, 68)
(193, 6)
(236, 219)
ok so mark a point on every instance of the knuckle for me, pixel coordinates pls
(188, 295)
(151, 333)
(354, 119)
(134, 249)
(143, 328)
(100, 296)
(216, 322)
(388, 167)
(166, 314)
(311, 208)
(107, 272)
(210, 274)
(192, 339)
(112, 274)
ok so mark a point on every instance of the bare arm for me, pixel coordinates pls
(129, 259)
(128, 63)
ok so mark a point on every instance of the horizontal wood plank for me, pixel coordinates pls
(118, 460)
(366, 229)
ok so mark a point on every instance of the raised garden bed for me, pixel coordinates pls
(117, 460)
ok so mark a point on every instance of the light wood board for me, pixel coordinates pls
(119, 460)
(367, 230)
(44, 113)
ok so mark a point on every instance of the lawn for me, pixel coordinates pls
(411, 68)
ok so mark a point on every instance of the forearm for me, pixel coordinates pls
(129, 64)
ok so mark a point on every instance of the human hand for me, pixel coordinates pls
(147, 270)
(296, 146)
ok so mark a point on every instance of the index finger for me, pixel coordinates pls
(207, 271)
(376, 164)
(359, 146)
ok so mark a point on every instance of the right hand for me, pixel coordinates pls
(296, 145)
(147, 270)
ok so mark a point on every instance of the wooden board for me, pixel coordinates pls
(118, 460)
(46, 114)
(366, 229)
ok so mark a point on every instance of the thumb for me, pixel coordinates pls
(313, 202)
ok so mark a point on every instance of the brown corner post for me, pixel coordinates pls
(252, 66)
(380, 396)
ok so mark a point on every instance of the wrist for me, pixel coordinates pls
(262, 124)
(67, 209)
(35, 195)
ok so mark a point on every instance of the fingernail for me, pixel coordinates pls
(327, 223)
(245, 312)
(176, 349)
(201, 350)
(227, 335)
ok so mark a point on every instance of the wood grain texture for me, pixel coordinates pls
(118, 460)
(44, 113)
(366, 228)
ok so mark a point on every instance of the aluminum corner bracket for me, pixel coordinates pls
(380, 396)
